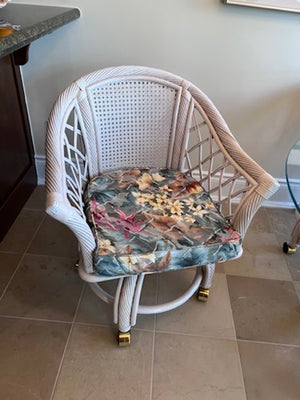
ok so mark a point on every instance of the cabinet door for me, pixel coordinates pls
(17, 168)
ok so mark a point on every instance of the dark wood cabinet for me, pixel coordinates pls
(17, 168)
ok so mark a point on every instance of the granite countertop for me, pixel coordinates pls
(36, 21)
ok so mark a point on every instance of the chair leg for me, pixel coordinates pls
(208, 273)
(290, 248)
(123, 304)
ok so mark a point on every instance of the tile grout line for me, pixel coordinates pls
(231, 312)
(152, 360)
(67, 343)
(52, 256)
(22, 258)
(107, 325)
(279, 244)
(241, 368)
(164, 332)
(14, 253)
(56, 321)
(296, 289)
(268, 343)
(195, 335)
(70, 257)
(257, 277)
(153, 342)
(236, 341)
(33, 209)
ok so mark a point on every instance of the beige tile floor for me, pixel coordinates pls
(57, 340)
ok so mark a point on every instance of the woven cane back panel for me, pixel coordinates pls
(206, 158)
(75, 160)
(134, 119)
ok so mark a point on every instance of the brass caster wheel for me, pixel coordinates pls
(202, 294)
(287, 249)
(76, 266)
(124, 339)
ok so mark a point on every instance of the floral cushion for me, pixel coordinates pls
(147, 220)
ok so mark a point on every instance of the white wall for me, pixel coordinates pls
(246, 60)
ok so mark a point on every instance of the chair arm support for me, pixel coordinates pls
(57, 208)
(265, 184)
(263, 187)
(245, 212)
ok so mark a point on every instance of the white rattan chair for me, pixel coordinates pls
(132, 116)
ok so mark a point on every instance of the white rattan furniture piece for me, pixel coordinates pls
(133, 116)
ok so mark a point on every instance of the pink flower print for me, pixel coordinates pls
(231, 235)
(127, 224)
(98, 212)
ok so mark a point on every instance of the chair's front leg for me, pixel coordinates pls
(123, 304)
(208, 273)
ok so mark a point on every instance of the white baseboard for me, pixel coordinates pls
(40, 164)
(281, 199)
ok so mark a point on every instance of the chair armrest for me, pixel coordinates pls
(57, 208)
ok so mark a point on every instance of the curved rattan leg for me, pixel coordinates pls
(127, 301)
(123, 304)
(208, 273)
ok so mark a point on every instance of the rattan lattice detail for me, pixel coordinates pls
(209, 162)
(76, 164)
(134, 119)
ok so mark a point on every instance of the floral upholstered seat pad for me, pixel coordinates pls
(147, 220)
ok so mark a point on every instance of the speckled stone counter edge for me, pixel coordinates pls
(25, 36)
